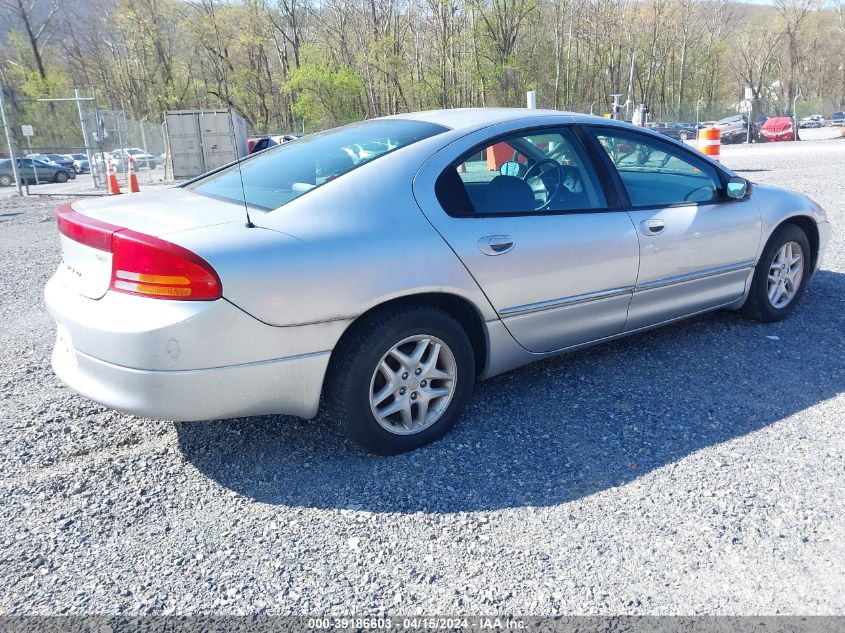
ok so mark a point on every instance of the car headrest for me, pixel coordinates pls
(507, 194)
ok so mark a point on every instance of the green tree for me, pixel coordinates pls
(326, 96)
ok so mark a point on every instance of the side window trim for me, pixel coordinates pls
(598, 170)
(592, 131)
(615, 191)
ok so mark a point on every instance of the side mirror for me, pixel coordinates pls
(510, 168)
(737, 188)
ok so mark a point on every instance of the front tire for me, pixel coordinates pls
(781, 275)
(61, 177)
(5, 181)
(401, 378)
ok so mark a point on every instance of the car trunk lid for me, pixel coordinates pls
(87, 230)
(161, 212)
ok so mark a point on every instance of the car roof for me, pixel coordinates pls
(475, 118)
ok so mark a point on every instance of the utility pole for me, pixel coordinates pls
(9, 141)
(749, 98)
(630, 99)
(795, 114)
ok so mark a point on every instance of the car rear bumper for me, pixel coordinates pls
(285, 386)
(186, 360)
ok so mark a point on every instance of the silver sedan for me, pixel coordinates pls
(385, 266)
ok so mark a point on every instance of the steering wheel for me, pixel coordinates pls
(550, 193)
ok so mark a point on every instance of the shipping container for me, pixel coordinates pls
(203, 140)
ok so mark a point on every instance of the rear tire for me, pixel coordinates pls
(367, 379)
(778, 285)
(5, 181)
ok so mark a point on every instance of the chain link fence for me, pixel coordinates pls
(72, 138)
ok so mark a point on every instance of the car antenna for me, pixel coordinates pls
(249, 223)
(231, 117)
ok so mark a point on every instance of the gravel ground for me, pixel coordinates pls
(694, 469)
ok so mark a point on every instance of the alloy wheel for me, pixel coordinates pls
(785, 274)
(413, 384)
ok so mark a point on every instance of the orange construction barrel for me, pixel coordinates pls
(709, 141)
(498, 154)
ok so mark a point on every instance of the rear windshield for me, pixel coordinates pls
(278, 175)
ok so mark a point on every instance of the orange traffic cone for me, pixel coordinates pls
(133, 177)
(111, 170)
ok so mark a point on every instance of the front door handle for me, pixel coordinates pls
(495, 244)
(652, 227)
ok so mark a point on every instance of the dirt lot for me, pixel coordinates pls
(695, 469)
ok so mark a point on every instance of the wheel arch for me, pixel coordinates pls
(459, 308)
(811, 230)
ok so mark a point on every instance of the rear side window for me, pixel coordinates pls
(656, 173)
(280, 174)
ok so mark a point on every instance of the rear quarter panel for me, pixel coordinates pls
(336, 251)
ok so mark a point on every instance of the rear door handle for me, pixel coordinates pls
(495, 244)
(652, 227)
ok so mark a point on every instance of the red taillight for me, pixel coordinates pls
(142, 264)
(80, 228)
(145, 265)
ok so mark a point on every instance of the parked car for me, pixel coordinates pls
(141, 158)
(33, 172)
(53, 159)
(60, 159)
(680, 131)
(477, 241)
(735, 129)
(779, 128)
(837, 119)
(257, 144)
(42, 158)
(80, 163)
(812, 121)
(251, 141)
(67, 166)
